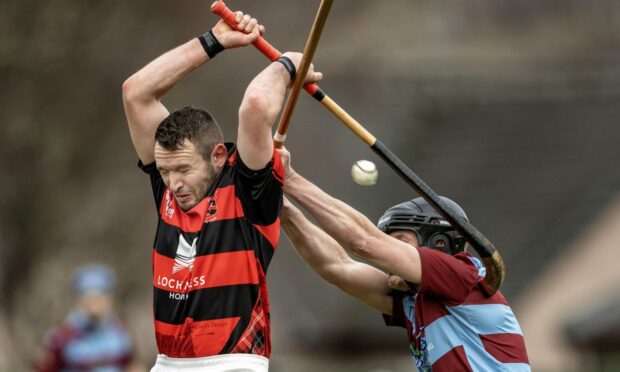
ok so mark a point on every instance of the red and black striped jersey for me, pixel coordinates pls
(209, 263)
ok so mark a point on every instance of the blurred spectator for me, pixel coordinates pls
(91, 337)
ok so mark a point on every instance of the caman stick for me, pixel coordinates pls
(311, 44)
(486, 250)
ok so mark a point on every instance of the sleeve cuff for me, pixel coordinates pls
(251, 173)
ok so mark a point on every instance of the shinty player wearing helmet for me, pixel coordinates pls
(433, 290)
(429, 226)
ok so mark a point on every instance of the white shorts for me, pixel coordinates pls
(216, 363)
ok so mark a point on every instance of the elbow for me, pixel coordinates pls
(133, 91)
(363, 246)
(256, 104)
(130, 89)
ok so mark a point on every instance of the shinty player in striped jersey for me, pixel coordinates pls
(218, 206)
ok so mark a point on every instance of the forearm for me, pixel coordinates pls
(353, 231)
(162, 74)
(349, 227)
(329, 260)
(314, 246)
(143, 90)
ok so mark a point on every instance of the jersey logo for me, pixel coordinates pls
(211, 214)
(186, 253)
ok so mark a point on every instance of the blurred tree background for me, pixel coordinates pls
(509, 107)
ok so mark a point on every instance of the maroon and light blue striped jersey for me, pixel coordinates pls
(82, 344)
(209, 263)
(451, 325)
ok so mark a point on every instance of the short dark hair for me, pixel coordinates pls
(194, 124)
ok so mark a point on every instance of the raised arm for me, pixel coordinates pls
(351, 229)
(142, 92)
(260, 107)
(327, 258)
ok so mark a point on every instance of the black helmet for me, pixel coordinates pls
(432, 229)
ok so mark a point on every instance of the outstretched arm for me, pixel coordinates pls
(351, 229)
(331, 262)
(142, 92)
(260, 107)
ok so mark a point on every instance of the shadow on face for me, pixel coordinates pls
(406, 236)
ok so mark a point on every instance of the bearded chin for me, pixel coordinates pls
(213, 175)
(209, 180)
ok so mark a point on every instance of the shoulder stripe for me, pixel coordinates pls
(278, 167)
(231, 158)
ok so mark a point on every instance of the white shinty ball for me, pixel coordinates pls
(364, 173)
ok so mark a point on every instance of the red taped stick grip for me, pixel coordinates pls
(311, 88)
(221, 10)
(227, 15)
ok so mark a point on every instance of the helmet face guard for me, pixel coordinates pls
(431, 229)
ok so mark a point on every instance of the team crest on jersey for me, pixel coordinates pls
(210, 216)
(186, 253)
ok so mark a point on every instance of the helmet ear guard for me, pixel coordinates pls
(441, 242)
(448, 242)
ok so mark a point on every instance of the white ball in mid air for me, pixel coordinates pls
(364, 173)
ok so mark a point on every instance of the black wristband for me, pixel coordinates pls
(288, 64)
(210, 44)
